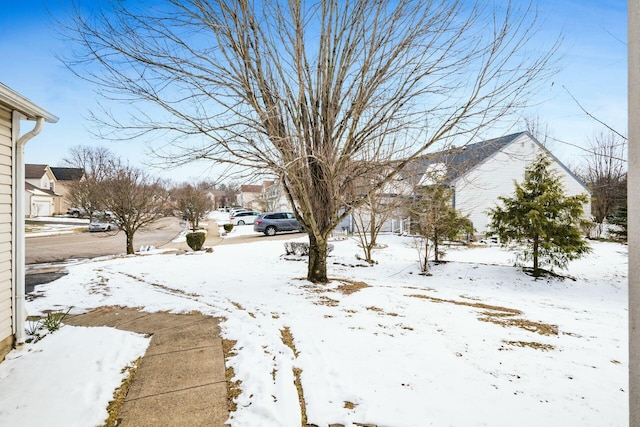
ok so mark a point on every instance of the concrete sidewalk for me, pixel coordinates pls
(181, 379)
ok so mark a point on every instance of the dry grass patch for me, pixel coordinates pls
(530, 344)
(287, 339)
(349, 287)
(503, 316)
(113, 409)
(297, 372)
(233, 387)
(349, 405)
(527, 325)
(163, 287)
(325, 300)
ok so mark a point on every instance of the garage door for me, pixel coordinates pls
(41, 209)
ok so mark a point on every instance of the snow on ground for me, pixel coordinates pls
(477, 343)
(68, 378)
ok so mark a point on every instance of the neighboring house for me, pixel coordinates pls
(64, 178)
(274, 197)
(480, 173)
(250, 197)
(46, 202)
(218, 198)
(38, 202)
(14, 108)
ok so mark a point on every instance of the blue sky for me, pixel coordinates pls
(593, 69)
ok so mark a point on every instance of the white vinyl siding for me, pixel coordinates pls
(6, 229)
(478, 190)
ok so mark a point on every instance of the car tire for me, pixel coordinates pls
(108, 228)
(240, 222)
(270, 231)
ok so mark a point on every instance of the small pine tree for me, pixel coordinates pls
(619, 219)
(542, 218)
(435, 219)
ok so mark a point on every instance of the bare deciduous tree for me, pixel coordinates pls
(96, 162)
(308, 89)
(134, 198)
(539, 130)
(193, 203)
(605, 173)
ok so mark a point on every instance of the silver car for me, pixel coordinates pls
(102, 226)
(271, 223)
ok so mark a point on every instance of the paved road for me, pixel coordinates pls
(41, 251)
(61, 247)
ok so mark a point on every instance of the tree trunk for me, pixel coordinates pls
(372, 230)
(536, 273)
(317, 272)
(425, 266)
(130, 250)
(367, 252)
(436, 237)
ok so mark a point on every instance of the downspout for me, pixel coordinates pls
(18, 223)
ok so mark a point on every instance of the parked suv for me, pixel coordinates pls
(270, 223)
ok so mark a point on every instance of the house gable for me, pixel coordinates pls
(41, 176)
(65, 177)
(478, 189)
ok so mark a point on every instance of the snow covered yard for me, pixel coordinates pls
(478, 343)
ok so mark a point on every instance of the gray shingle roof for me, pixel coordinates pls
(460, 160)
(67, 174)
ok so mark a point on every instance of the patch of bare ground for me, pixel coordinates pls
(325, 300)
(503, 316)
(233, 387)
(287, 339)
(174, 291)
(349, 287)
(530, 344)
(113, 409)
(527, 325)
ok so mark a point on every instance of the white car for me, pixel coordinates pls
(244, 217)
(235, 211)
(102, 226)
(103, 221)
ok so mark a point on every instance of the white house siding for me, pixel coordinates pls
(6, 281)
(478, 190)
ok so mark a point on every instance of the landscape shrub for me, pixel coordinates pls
(196, 239)
(301, 248)
(228, 227)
